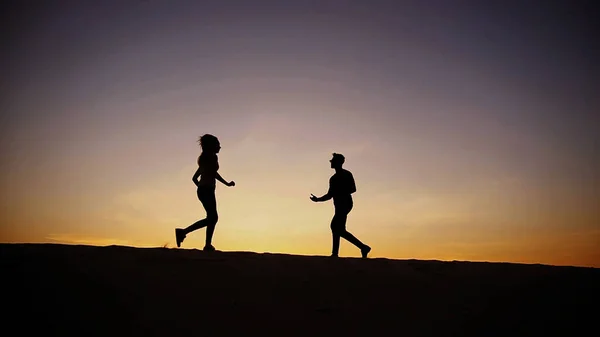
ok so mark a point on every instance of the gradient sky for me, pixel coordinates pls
(471, 127)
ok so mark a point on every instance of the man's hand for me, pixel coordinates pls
(231, 183)
(313, 198)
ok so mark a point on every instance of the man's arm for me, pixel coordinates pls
(326, 197)
(351, 184)
(323, 198)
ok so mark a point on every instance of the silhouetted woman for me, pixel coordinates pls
(208, 165)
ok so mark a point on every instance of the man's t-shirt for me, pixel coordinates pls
(341, 186)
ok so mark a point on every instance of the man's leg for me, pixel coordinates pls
(364, 249)
(335, 234)
(336, 244)
(352, 239)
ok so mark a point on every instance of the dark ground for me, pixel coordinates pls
(58, 290)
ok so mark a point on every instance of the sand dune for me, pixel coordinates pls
(124, 291)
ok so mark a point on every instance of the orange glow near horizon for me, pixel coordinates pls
(269, 211)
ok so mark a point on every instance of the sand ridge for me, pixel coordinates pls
(125, 291)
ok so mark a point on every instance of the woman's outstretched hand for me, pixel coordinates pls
(313, 198)
(231, 183)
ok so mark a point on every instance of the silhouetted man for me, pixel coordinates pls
(341, 187)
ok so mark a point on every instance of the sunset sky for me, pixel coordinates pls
(471, 127)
